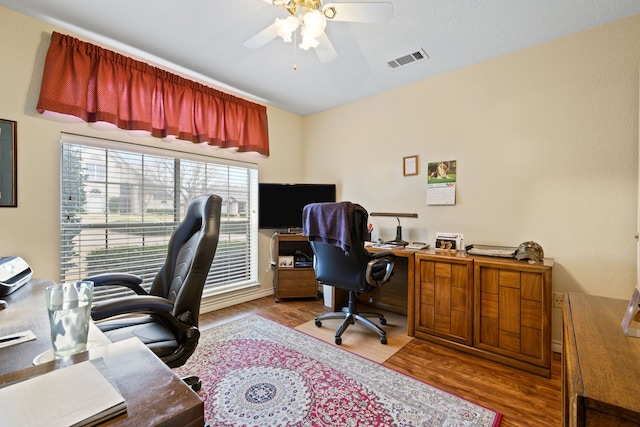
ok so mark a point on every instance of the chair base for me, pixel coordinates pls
(351, 316)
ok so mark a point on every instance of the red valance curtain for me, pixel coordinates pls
(97, 84)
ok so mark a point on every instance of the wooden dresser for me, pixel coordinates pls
(600, 366)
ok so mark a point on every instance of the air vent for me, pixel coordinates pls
(411, 58)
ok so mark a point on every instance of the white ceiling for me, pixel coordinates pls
(206, 36)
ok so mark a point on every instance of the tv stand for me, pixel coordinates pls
(294, 282)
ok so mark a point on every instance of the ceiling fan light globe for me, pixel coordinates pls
(314, 23)
(308, 41)
(286, 27)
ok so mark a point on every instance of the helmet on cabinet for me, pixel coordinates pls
(531, 251)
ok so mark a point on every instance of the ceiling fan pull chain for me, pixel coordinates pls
(295, 45)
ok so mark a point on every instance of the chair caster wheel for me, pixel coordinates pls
(193, 382)
(318, 323)
(383, 340)
(338, 340)
(383, 321)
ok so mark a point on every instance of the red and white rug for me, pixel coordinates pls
(256, 372)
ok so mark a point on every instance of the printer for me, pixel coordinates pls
(14, 272)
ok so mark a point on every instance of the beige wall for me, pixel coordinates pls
(546, 141)
(31, 230)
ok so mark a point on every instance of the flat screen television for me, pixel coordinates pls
(280, 205)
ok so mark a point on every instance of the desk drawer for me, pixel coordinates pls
(296, 283)
(444, 298)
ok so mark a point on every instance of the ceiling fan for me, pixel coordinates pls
(311, 16)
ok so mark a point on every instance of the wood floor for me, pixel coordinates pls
(524, 399)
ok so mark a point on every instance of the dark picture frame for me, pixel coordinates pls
(8, 164)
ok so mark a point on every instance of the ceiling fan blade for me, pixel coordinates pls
(374, 13)
(262, 38)
(325, 50)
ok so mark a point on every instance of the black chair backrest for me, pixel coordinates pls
(192, 247)
(343, 270)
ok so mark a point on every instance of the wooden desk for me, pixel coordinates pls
(600, 366)
(155, 395)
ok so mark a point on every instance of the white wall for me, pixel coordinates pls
(31, 230)
(546, 141)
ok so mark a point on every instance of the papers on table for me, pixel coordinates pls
(417, 246)
(78, 395)
(387, 246)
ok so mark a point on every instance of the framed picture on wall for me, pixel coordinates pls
(8, 164)
(410, 165)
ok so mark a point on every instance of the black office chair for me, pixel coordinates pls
(169, 325)
(336, 233)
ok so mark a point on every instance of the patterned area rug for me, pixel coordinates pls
(256, 372)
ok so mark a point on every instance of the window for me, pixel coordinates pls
(119, 208)
(95, 171)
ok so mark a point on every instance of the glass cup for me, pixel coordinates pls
(69, 307)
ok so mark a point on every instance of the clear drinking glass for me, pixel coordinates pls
(69, 307)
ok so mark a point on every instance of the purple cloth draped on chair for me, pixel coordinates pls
(332, 223)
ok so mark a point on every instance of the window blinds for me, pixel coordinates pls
(119, 208)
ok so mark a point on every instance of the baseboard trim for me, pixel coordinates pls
(217, 302)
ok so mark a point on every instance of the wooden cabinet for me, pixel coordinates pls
(496, 308)
(512, 313)
(600, 365)
(444, 300)
(294, 282)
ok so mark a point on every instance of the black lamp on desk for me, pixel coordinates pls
(398, 240)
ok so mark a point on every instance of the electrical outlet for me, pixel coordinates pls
(557, 299)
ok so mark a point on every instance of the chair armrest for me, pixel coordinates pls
(127, 280)
(378, 255)
(381, 261)
(142, 304)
